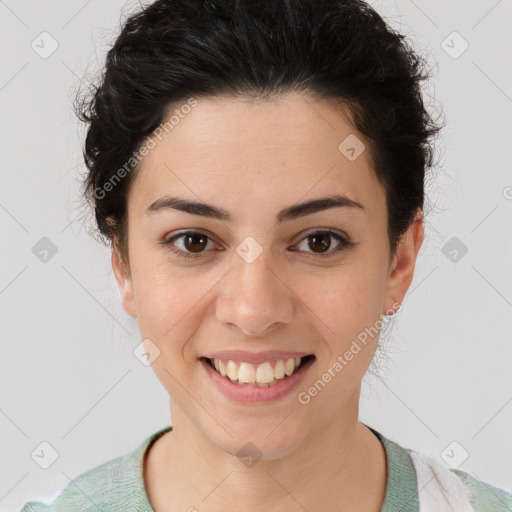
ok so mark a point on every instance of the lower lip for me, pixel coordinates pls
(246, 394)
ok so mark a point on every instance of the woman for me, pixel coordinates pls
(258, 169)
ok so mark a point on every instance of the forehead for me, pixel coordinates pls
(263, 149)
(245, 124)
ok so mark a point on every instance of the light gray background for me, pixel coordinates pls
(68, 373)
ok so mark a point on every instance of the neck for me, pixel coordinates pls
(340, 467)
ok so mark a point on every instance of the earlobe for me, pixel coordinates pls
(124, 283)
(404, 262)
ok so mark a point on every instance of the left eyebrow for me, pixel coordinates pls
(290, 212)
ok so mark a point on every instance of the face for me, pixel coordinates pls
(261, 279)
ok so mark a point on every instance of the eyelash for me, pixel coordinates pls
(182, 254)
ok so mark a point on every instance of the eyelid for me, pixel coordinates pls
(169, 240)
(314, 231)
(342, 238)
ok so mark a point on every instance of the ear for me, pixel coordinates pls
(404, 261)
(124, 282)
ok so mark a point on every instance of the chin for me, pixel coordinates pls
(259, 442)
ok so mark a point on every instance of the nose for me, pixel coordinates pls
(254, 297)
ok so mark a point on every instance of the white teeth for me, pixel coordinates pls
(289, 366)
(232, 370)
(262, 375)
(222, 367)
(279, 369)
(246, 373)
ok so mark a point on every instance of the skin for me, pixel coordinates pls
(254, 158)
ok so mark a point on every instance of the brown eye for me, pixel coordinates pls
(319, 243)
(195, 242)
(192, 244)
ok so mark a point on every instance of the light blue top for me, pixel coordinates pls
(118, 486)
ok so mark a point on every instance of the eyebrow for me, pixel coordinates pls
(290, 212)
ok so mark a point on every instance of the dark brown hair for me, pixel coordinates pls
(340, 50)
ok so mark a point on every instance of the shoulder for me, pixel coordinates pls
(85, 492)
(439, 484)
(112, 486)
(424, 483)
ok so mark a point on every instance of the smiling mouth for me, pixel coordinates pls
(262, 375)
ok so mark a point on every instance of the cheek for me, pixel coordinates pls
(161, 304)
(346, 313)
(345, 297)
(170, 303)
(345, 307)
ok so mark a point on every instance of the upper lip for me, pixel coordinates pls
(254, 357)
